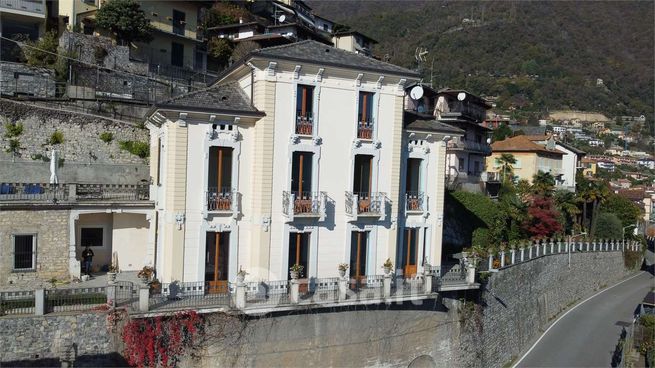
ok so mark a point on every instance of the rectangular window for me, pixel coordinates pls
(365, 116)
(177, 54)
(301, 173)
(179, 20)
(24, 252)
(304, 110)
(91, 236)
(461, 163)
(413, 179)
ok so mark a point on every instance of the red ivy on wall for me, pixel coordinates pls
(160, 341)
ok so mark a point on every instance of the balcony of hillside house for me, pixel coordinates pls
(13, 193)
(304, 205)
(365, 204)
(304, 125)
(365, 130)
(32, 7)
(415, 203)
(223, 201)
(246, 297)
(471, 146)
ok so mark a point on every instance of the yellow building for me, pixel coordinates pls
(530, 157)
(588, 167)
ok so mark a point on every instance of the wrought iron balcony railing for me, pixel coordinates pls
(415, 202)
(223, 200)
(69, 192)
(365, 204)
(365, 130)
(304, 125)
(303, 204)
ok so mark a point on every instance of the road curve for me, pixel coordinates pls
(587, 335)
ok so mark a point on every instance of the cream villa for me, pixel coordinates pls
(298, 154)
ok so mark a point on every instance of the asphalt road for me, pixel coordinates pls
(587, 335)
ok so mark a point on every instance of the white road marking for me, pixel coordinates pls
(567, 312)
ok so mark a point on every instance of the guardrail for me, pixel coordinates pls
(38, 192)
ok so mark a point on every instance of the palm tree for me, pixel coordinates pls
(543, 183)
(505, 161)
(567, 204)
(592, 192)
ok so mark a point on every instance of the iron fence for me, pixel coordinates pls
(409, 286)
(269, 293)
(33, 192)
(177, 295)
(219, 199)
(127, 295)
(452, 272)
(16, 302)
(326, 290)
(116, 192)
(75, 299)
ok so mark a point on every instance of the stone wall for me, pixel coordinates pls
(44, 337)
(81, 142)
(21, 79)
(101, 51)
(52, 240)
(520, 301)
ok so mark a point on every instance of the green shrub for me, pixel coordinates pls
(631, 259)
(138, 148)
(14, 146)
(13, 130)
(56, 137)
(43, 52)
(40, 156)
(107, 137)
(608, 226)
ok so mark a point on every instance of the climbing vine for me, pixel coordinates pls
(160, 341)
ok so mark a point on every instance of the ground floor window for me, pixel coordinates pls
(24, 252)
(299, 251)
(92, 237)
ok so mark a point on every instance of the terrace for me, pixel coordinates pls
(14, 193)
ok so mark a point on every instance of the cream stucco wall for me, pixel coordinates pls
(129, 236)
(528, 164)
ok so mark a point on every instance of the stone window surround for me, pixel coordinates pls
(230, 138)
(34, 251)
(376, 110)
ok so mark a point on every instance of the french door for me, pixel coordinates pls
(217, 255)
(409, 252)
(358, 256)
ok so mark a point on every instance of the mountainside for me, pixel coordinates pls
(535, 56)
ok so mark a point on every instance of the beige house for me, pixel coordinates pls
(530, 158)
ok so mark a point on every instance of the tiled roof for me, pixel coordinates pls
(521, 143)
(322, 54)
(433, 126)
(226, 97)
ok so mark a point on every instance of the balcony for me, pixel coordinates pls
(365, 130)
(462, 145)
(36, 7)
(223, 201)
(415, 202)
(304, 125)
(304, 205)
(13, 193)
(365, 205)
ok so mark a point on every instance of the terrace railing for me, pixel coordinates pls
(365, 204)
(36, 192)
(415, 202)
(304, 204)
(304, 125)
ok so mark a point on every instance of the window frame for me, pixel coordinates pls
(104, 235)
(34, 250)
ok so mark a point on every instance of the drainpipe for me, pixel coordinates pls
(252, 82)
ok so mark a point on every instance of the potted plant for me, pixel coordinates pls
(387, 266)
(343, 267)
(295, 271)
(145, 274)
(155, 287)
(111, 274)
(241, 275)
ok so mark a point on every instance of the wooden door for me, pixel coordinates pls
(358, 258)
(217, 262)
(409, 256)
(299, 254)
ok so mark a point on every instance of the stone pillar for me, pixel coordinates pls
(39, 302)
(294, 293)
(623, 245)
(612, 245)
(522, 254)
(144, 296)
(240, 295)
(470, 274)
(387, 286)
(111, 296)
(607, 245)
(543, 244)
(559, 246)
(552, 246)
(343, 287)
(536, 249)
(594, 245)
(491, 262)
(587, 246)
(512, 253)
(530, 252)
(502, 259)
(428, 283)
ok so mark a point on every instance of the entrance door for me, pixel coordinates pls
(358, 257)
(409, 252)
(362, 182)
(299, 252)
(217, 255)
(177, 54)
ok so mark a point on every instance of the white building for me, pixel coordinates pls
(571, 162)
(297, 155)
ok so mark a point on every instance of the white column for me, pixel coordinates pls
(513, 255)
(240, 295)
(522, 254)
(39, 302)
(343, 286)
(387, 285)
(502, 259)
(294, 295)
(144, 295)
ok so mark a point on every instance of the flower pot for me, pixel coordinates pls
(342, 273)
(387, 270)
(144, 279)
(294, 274)
(111, 277)
(241, 278)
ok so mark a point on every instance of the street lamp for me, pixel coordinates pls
(571, 237)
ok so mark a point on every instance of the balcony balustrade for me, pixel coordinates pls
(304, 125)
(304, 204)
(365, 130)
(415, 202)
(483, 148)
(223, 200)
(70, 192)
(365, 204)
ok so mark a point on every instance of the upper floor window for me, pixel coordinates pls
(24, 252)
(179, 20)
(365, 116)
(304, 110)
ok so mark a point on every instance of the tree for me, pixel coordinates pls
(502, 132)
(542, 221)
(505, 161)
(126, 20)
(220, 49)
(42, 52)
(567, 204)
(543, 183)
(626, 210)
(609, 226)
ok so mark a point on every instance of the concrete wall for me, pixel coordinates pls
(129, 237)
(51, 229)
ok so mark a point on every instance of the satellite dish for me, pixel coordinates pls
(416, 92)
(461, 96)
(282, 18)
